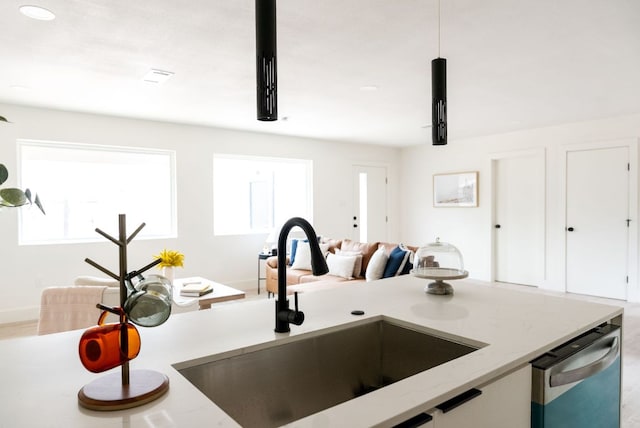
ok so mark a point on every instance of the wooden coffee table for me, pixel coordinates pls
(220, 293)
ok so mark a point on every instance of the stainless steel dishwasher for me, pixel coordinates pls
(578, 383)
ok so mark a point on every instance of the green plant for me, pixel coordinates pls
(13, 197)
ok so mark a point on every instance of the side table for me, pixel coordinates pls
(220, 293)
(261, 256)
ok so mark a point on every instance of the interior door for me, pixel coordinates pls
(369, 221)
(520, 219)
(597, 231)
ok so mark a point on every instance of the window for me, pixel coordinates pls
(256, 195)
(84, 187)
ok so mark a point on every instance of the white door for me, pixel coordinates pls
(369, 220)
(597, 231)
(520, 219)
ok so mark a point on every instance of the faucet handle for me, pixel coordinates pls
(296, 317)
(293, 316)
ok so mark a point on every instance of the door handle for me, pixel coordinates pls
(497, 226)
(355, 225)
(570, 229)
(458, 400)
(570, 376)
(415, 421)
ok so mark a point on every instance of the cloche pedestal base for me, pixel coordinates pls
(439, 287)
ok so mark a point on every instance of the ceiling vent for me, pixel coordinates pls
(157, 76)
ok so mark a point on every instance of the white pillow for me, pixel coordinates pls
(325, 249)
(303, 256)
(340, 265)
(377, 263)
(357, 267)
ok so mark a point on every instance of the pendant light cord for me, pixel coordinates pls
(438, 28)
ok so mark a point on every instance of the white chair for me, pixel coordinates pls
(96, 280)
(69, 308)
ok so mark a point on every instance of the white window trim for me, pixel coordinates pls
(308, 179)
(98, 147)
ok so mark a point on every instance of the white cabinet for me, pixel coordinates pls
(502, 403)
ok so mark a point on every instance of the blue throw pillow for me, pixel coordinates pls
(395, 260)
(407, 268)
(292, 255)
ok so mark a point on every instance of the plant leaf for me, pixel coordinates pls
(27, 194)
(13, 196)
(39, 204)
(4, 173)
(4, 119)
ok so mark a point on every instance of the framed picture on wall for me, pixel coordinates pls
(458, 189)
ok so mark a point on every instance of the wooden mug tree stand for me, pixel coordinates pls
(117, 391)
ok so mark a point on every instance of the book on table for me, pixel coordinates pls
(195, 289)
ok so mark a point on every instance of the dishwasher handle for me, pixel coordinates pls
(575, 375)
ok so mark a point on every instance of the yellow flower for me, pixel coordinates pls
(170, 258)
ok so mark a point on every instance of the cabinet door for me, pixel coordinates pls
(503, 403)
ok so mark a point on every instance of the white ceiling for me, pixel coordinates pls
(512, 64)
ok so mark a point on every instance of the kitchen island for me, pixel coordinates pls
(41, 376)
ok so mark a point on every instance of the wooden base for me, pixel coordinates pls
(107, 393)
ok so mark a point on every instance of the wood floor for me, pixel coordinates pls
(630, 357)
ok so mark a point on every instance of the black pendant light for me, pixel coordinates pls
(266, 63)
(439, 96)
(439, 101)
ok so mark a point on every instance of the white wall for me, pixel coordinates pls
(26, 270)
(470, 229)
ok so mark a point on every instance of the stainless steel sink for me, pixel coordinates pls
(283, 383)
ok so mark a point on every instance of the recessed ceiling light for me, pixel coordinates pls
(368, 88)
(37, 12)
(19, 87)
(157, 76)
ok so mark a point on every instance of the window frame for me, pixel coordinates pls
(173, 221)
(308, 215)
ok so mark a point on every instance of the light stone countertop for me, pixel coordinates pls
(41, 376)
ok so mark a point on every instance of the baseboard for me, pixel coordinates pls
(27, 313)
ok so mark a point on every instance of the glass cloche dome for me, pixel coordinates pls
(439, 261)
